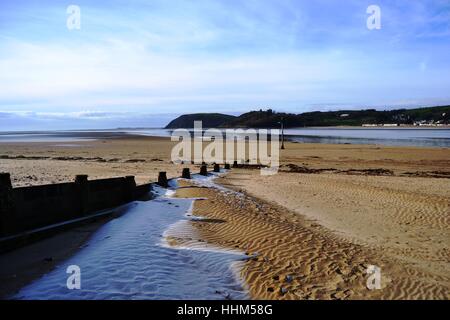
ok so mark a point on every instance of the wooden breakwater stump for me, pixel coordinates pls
(6, 202)
(227, 166)
(186, 174)
(216, 167)
(81, 178)
(204, 170)
(162, 179)
(235, 164)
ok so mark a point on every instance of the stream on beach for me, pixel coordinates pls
(129, 258)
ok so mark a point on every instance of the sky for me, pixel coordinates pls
(140, 63)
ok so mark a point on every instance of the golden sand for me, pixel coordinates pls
(314, 231)
(295, 258)
(142, 157)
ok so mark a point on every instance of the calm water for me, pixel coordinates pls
(388, 136)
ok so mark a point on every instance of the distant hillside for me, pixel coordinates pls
(271, 119)
(210, 120)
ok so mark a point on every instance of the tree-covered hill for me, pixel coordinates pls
(272, 119)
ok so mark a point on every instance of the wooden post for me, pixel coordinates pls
(235, 164)
(227, 166)
(162, 179)
(204, 170)
(186, 173)
(6, 204)
(81, 178)
(216, 167)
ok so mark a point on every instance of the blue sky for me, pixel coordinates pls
(141, 62)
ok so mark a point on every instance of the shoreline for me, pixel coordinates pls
(127, 130)
(294, 134)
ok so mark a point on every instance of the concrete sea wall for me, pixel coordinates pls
(28, 208)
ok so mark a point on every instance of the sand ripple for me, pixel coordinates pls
(294, 258)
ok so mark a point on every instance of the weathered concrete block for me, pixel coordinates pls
(204, 170)
(28, 208)
(5, 181)
(81, 181)
(162, 179)
(130, 185)
(186, 173)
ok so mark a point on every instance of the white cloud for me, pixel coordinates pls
(121, 73)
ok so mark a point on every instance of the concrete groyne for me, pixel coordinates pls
(27, 208)
(34, 212)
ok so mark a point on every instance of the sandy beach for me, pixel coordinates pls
(54, 162)
(311, 230)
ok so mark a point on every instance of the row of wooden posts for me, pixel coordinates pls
(5, 179)
(186, 173)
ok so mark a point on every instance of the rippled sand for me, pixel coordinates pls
(296, 258)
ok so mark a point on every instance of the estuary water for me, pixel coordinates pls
(415, 137)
